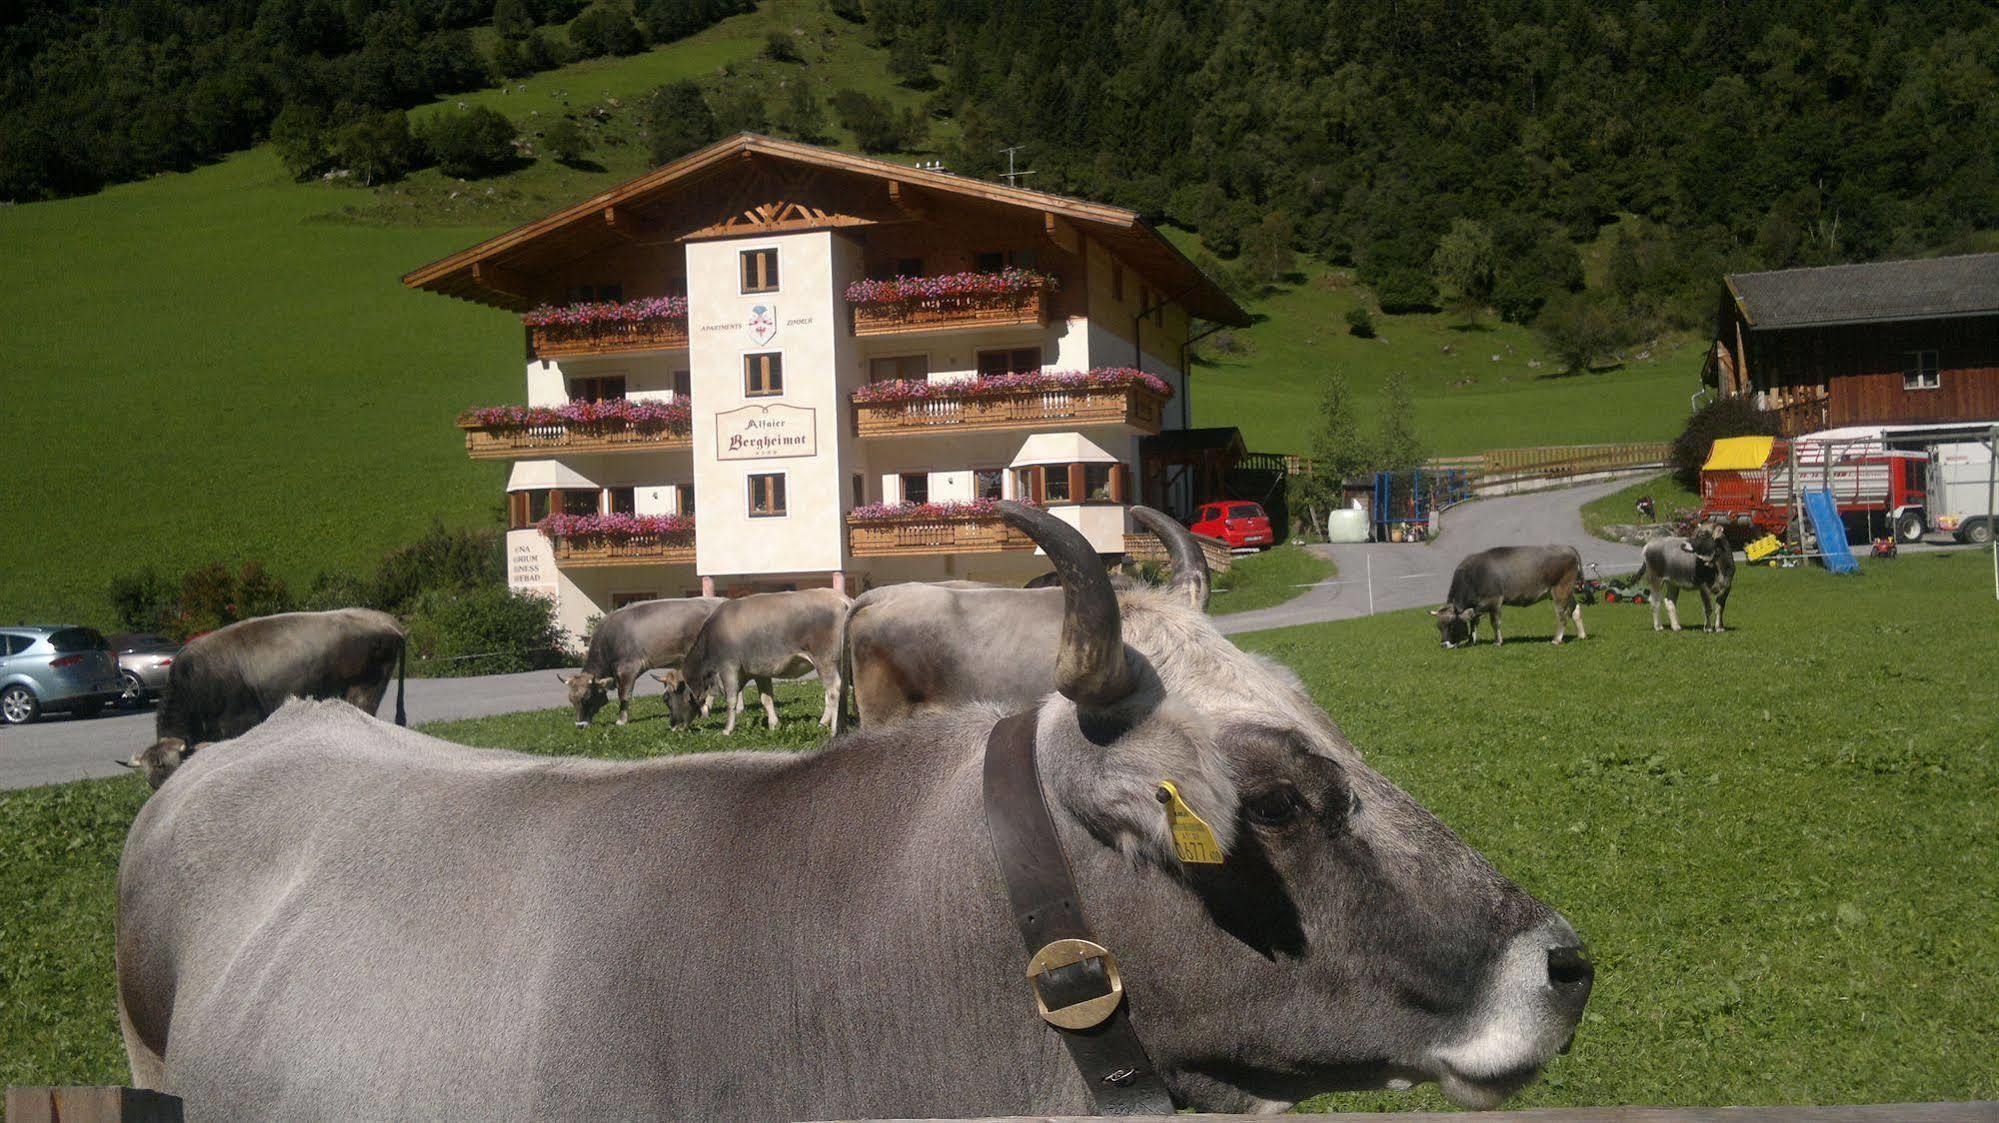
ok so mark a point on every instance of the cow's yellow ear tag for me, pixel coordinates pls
(1193, 839)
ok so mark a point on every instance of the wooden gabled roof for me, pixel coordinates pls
(1875, 292)
(653, 208)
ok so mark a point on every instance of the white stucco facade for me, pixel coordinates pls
(774, 461)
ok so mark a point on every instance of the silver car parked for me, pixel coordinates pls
(49, 669)
(144, 661)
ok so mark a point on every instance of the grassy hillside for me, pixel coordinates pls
(222, 365)
(1476, 387)
(1782, 863)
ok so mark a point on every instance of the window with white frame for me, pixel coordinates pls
(767, 495)
(759, 271)
(1922, 372)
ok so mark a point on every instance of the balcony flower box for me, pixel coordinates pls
(606, 327)
(964, 526)
(900, 304)
(609, 425)
(620, 539)
(1031, 399)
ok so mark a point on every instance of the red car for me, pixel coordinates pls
(1239, 524)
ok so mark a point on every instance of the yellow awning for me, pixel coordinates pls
(1738, 454)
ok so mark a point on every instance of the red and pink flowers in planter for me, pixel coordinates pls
(596, 415)
(903, 290)
(1000, 385)
(645, 310)
(911, 512)
(672, 530)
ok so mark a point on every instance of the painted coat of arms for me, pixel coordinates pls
(763, 323)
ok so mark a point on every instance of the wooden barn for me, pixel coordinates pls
(1883, 343)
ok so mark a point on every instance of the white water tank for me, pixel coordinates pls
(1348, 524)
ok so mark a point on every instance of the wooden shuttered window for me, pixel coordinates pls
(767, 495)
(763, 374)
(759, 271)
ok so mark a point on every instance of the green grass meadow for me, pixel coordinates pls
(1778, 841)
(1621, 506)
(1272, 577)
(1473, 388)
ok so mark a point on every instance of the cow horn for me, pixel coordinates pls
(1090, 667)
(1190, 565)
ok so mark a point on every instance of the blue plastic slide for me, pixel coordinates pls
(1831, 530)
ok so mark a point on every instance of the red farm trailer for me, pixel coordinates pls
(1747, 481)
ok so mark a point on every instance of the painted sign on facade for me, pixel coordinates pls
(763, 323)
(530, 568)
(766, 433)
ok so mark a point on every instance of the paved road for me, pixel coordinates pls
(59, 749)
(1409, 576)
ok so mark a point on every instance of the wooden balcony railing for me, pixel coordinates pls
(970, 310)
(950, 534)
(1134, 405)
(643, 550)
(510, 442)
(549, 341)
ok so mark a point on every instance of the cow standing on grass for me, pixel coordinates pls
(1705, 560)
(756, 639)
(344, 920)
(1515, 575)
(227, 681)
(631, 641)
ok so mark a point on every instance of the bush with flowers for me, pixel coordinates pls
(645, 310)
(998, 385)
(899, 290)
(593, 415)
(620, 527)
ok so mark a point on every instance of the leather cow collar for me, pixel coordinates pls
(1074, 979)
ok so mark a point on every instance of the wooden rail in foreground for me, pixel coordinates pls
(101, 1104)
(135, 1105)
(1970, 1112)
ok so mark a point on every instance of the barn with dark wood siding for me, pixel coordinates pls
(1883, 343)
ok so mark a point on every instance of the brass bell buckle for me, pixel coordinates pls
(1090, 1011)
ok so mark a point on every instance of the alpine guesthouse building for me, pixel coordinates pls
(771, 366)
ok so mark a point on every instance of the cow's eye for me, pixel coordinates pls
(1273, 806)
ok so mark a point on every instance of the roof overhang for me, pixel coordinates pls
(541, 475)
(1060, 448)
(492, 271)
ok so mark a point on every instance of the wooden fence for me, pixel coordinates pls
(1552, 462)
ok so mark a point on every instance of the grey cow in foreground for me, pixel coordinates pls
(923, 648)
(1704, 561)
(1515, 575)
(223, 683)
(756, 639)
(631, 641)
(344, 920)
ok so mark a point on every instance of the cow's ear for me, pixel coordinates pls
(607, 681)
